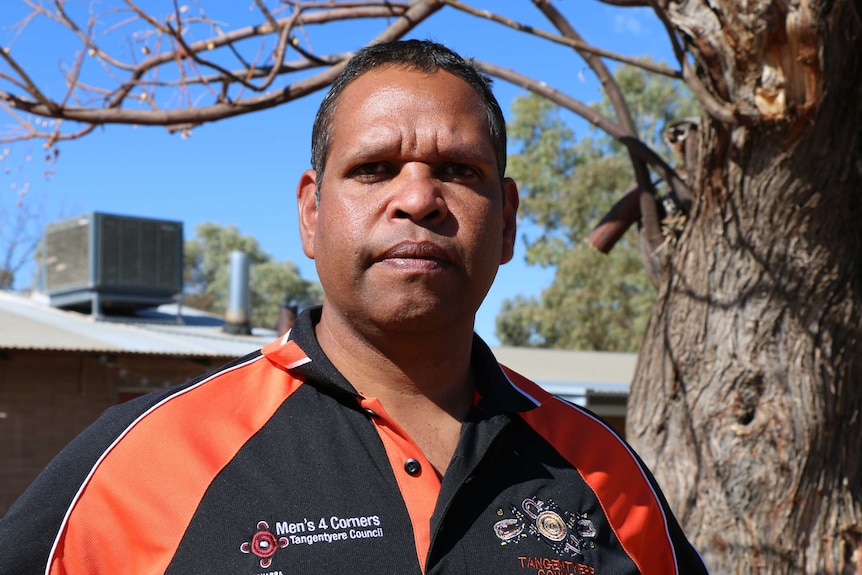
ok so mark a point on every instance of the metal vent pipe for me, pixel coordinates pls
(238, 309)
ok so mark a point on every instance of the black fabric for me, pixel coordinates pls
(313, 461)
(519, 467)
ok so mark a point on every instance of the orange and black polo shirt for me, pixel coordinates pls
(274, 464)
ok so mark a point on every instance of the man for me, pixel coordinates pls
(379, 435)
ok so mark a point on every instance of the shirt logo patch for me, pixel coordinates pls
(330, 529)
(567, 534)
(264, 544)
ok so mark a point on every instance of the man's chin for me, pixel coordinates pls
(423, 317)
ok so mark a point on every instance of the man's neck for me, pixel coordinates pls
(423, 380)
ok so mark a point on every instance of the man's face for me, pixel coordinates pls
(411, 225)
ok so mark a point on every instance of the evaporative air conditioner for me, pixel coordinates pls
(105, 262)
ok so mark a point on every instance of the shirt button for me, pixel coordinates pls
(370, 412)
(412, 467)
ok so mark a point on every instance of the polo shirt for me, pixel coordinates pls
(275, 464)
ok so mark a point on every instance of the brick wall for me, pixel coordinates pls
(47, 398)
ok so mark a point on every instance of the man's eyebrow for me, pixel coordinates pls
(482, 156)
(469, 152)
(378, 143)
(371, 149)
(374, 141)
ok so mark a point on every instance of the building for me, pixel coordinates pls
(60, 369)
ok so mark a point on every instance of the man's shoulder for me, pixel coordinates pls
(143, 441)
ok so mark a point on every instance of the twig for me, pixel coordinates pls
(570, 42)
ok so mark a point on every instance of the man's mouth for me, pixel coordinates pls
(416, 256)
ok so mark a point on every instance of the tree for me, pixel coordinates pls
(271, 283)
(20, 231)
(22, 218)
(596, 301)
(747, 395)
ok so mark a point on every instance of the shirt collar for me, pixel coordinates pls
(498, 390)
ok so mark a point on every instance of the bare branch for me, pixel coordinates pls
(640, 154)
(112, 113)
(596, 64)
(143, 79)
(721, 111)
(280, 48)
(570, 42)
(50, 107)
(612, 90)
(14, 81)
(266, 13)
(252, 72)
(626, 3)
(617, 221)
(636, 147)
(86, 38)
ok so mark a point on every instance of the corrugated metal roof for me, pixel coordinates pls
(27, 323)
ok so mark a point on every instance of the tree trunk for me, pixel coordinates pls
(747, 397)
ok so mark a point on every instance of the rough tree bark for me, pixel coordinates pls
(747, 397)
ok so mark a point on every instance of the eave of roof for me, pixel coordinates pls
(27, 324)
(602, 370)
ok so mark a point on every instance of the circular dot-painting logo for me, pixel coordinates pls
(264, 544)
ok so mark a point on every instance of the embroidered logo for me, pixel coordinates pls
(564, 532)
(264, 544)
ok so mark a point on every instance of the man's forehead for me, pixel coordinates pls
(392, 85)
(404, 78)
(400, 106)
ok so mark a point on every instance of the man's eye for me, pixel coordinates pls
(369, 170)
(458, 171)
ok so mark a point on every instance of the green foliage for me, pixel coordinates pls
(206, 275)
(567, 185)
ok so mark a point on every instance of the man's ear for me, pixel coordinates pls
(510, 219)
(306, 203)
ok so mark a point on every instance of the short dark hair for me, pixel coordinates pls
(419, 55)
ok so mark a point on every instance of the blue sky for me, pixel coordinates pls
(244, 171)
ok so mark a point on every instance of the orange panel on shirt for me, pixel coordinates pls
(605, 463)
(132, 513)
(420, 492)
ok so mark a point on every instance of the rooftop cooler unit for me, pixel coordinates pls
(108, 263)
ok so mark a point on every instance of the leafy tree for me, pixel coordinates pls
(596, 301)
(271, 283)
(747, 395)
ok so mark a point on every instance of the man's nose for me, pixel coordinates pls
(417, 195)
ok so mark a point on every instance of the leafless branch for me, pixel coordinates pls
(721, 111)
(626, 3)
(133, 99)
(635, 146)
(213, 73)
(571, 42)
(113, 113)
(50, 107)
(629, 133)
(617, 221)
